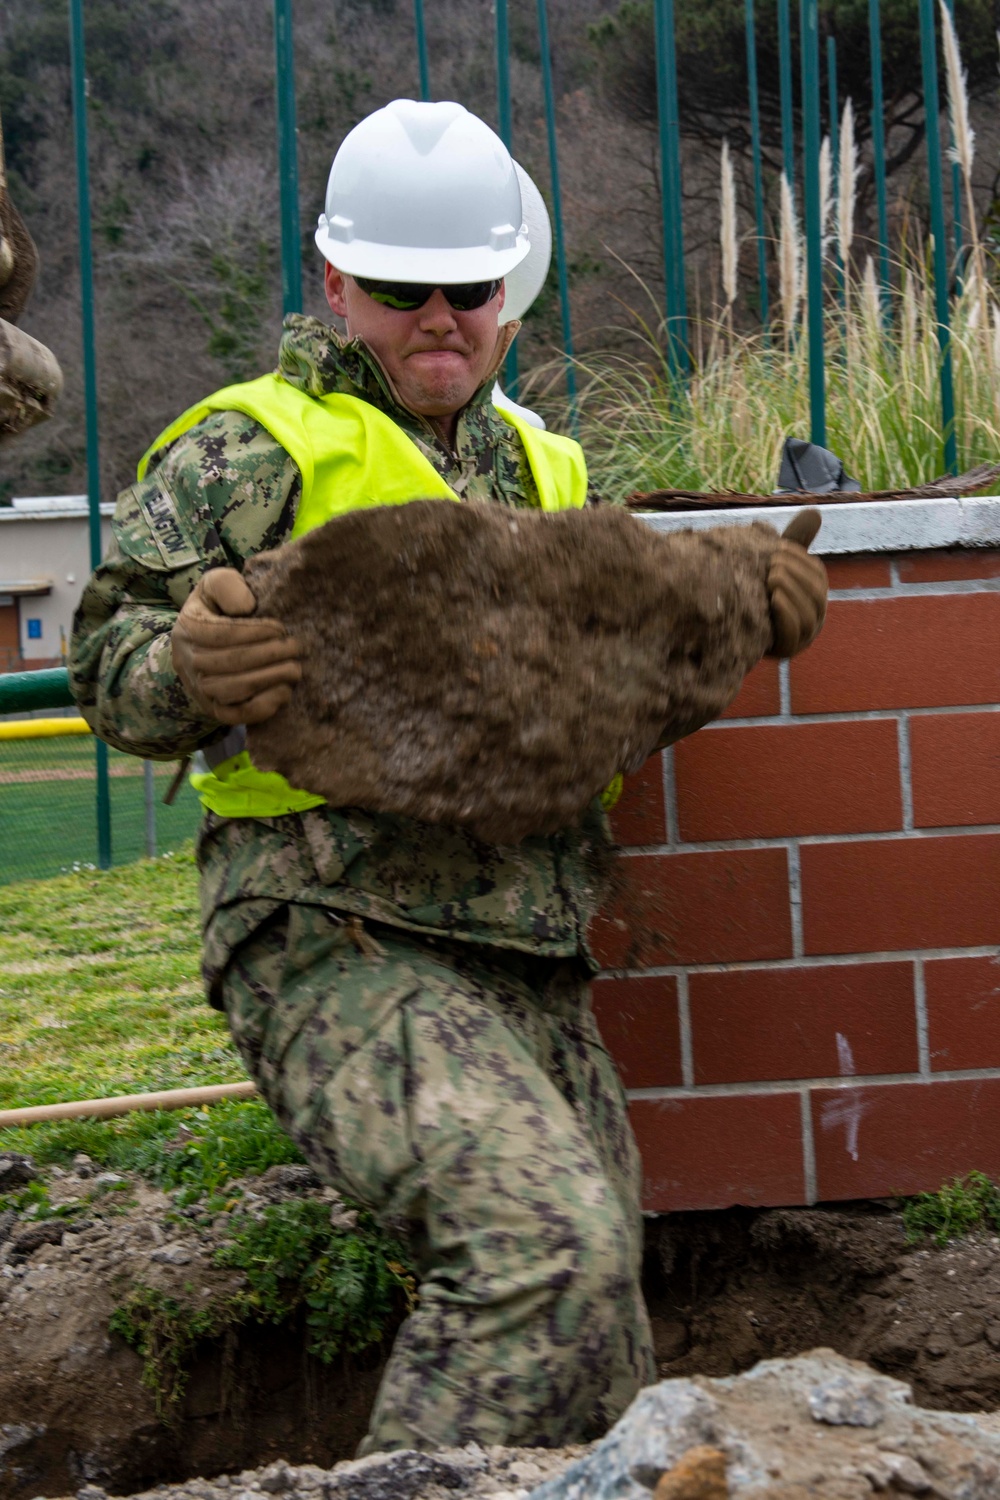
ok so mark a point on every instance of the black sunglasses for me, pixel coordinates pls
(407, 296)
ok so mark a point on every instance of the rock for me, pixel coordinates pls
(171, 1255)
(846, 1402)
(290, 1177)
(47, 1232)
(9, 1218)
(396, 1476)
(700, 1475)
(786, 1429)
(16, 1170)
(83, 1166)
(108, 1179)
(906, 1474)
(277, 1478)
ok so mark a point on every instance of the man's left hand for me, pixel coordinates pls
(796, 587)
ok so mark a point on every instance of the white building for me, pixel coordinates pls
(44, 564)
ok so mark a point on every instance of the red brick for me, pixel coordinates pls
(955, 769)
(943, 567)
(640, 815)
(760, 693)
(859, 571)
(773, 780)
(877, 895)
(712, 907)
(638, 1021)
(963, 1012)
(919, 652)
(715, 1151)
(757, 1024)
(904, 1138)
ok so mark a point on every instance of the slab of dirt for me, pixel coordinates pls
(725, 1290)
(495, 670)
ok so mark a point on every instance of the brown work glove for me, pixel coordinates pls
(236, 669)
(796, 586)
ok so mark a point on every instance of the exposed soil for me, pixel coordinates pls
(593, 638)
(725, 1290)
(728, 1289)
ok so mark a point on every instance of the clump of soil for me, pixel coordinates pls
(494, 669)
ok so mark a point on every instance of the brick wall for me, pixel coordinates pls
(802, 984)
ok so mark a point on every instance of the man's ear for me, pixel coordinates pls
(502, 294)
(334, 286)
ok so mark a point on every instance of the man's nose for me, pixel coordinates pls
(437, 314)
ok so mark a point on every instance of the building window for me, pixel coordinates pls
(34, 630)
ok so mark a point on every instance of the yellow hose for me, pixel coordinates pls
(124, 1104)
(42, 729)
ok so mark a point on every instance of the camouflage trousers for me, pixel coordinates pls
(469, 1094)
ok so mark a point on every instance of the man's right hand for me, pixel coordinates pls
(237, 668)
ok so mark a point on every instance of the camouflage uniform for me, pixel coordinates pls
(413, 1003)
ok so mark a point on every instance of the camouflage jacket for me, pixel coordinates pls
(218, 495)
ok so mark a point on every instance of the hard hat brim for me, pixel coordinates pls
(445, 267)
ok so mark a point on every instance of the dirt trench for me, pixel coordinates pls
(724, 1289)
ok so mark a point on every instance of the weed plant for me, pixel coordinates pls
(958, 1208)
(348, 1280)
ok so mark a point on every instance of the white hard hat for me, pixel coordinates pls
(528, 277)
(423, 192)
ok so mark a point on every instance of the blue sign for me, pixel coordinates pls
(34, 630)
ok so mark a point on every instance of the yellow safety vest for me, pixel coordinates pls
(350, 456)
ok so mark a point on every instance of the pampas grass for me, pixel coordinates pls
(789, 261)
(847, 189)
(963, 147)
(727, 230)
(725, 427)
(825, 195)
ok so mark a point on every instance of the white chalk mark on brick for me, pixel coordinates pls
(848, 1111)
(795, 899)
(845, 1057)
(785, 689)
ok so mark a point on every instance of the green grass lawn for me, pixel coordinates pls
(99, 986)
(50, 826)
(100, 994)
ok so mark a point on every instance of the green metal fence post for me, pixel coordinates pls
(425, 72)
(785, 90)
(928, 57)
(878, 145)
(506, 131)
(678, 355)
(809, 44)
(78, 68)
(758, 188)
(557, 220)
(288, 158)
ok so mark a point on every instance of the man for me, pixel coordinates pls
(413, 1003)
